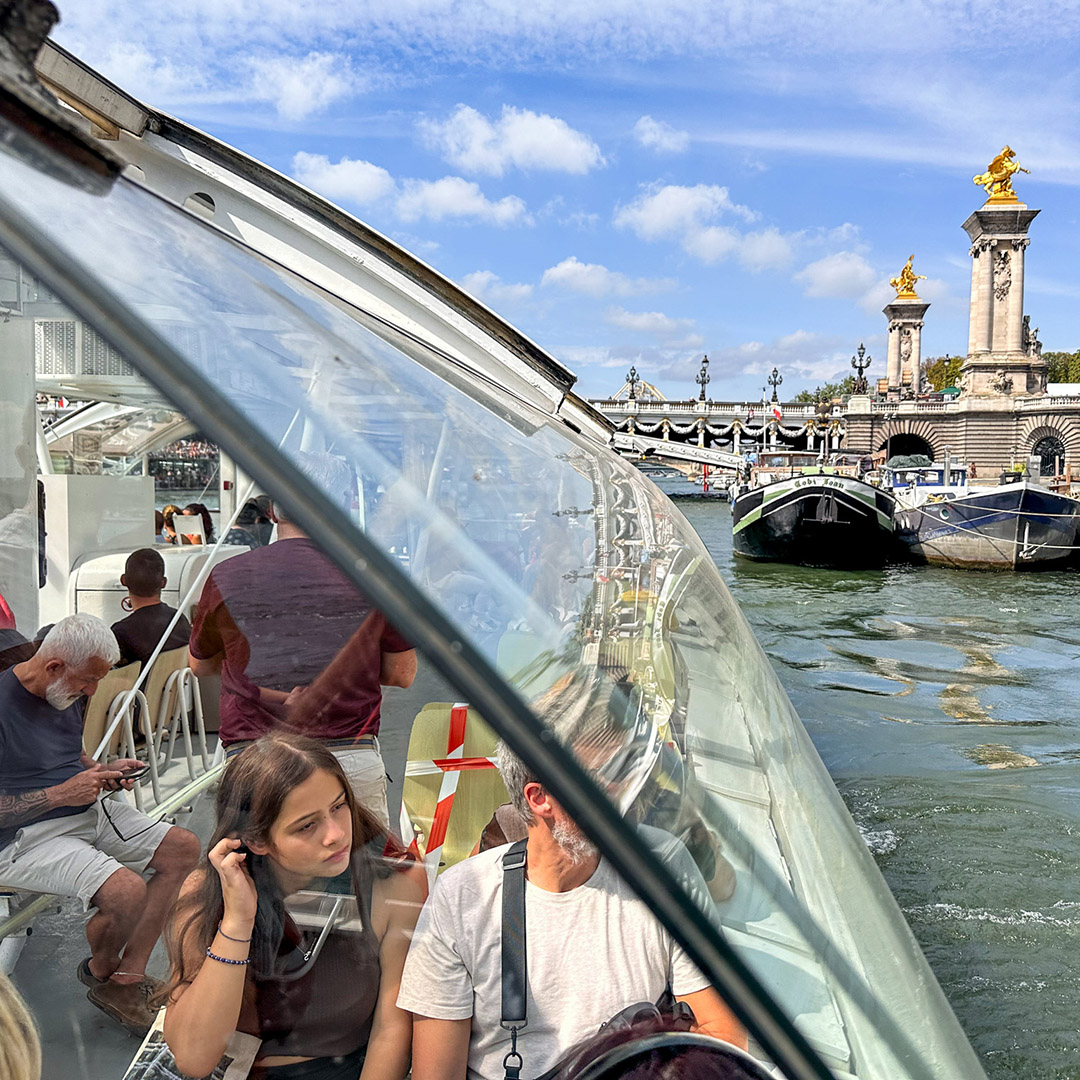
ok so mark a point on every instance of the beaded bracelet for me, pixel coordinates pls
(226, 960)
(229, 937)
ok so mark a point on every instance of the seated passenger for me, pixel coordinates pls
(200, 511)
(14, 648)
(138, 634)
(159, 528)
(20, 1049)
(287, 821)
(245, 531)
(168, 528)
(593, 948)
(56, 837)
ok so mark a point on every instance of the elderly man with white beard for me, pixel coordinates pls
(56, 836)
(592, 948)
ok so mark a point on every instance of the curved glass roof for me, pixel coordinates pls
(545, 578)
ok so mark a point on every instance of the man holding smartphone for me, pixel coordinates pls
(57, 837)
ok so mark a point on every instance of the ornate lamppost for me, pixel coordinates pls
(860, 365)
(703, 377)
(632, 379)
(774, 380)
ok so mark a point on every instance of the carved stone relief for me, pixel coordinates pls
(1002, 274)
(905, 344)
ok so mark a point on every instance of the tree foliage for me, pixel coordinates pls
(942, 371)
(827, 391)
(1063, 366)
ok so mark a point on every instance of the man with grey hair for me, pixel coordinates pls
(298, 646)
(57, 837)
(592, 947)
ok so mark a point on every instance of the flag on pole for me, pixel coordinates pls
(776, 411)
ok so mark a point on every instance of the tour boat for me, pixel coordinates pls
(795, 509)
(158, 270)
(945, 521)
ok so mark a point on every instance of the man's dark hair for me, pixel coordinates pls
(249, 514)
(143, 572)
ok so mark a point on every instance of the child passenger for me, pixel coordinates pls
(287, 821)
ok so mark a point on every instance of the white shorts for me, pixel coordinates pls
(77, 854)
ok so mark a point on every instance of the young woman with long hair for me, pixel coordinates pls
(287, 821)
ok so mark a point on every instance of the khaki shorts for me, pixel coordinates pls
(367, 775)
(76, 855)
(362, 765)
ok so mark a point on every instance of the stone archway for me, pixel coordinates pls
(1050, 450)
(906, 443)
(1052, 443)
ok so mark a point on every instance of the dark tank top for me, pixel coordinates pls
(325, 1013)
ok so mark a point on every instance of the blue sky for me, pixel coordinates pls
(643, 183)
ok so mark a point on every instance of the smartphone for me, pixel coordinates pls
(134, 773)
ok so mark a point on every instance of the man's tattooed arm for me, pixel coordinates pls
(27, 805)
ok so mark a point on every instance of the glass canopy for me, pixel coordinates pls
(564, 575)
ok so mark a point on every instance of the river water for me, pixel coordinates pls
(946, 705)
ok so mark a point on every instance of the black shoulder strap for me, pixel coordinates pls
(514, 978)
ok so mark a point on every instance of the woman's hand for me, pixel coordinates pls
(237, 887)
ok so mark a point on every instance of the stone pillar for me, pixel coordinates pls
(981, 315)
(735, 437)
(997, 361)
(892, 360)
(905, 341)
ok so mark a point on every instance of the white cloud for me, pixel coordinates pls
(766, 250)
(842, 275)
(647, 322)
(486, 285)
(518, 139)
(592, 279)
(453, 197)
(674, 210)
(801, 355)
(712, 244)
(686, 214)
(347, 181)
(661, 136)
(298, 86)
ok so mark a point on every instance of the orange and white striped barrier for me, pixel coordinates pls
(451, 768)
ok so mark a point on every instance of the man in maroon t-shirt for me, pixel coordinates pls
(271, 621)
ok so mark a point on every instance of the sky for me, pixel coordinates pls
(643, 184)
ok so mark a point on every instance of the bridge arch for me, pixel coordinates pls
(906, 437)
(1053, 444)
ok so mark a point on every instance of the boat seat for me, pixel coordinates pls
(101, 711)
(451, 786)
(172, 703)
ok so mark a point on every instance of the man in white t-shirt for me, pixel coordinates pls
(593, 949)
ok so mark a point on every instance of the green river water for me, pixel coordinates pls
(946, 705)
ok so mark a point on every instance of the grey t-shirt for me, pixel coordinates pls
(39, 746)
(591, 952)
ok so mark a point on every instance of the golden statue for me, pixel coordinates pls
(997, 180)
(905, 283)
